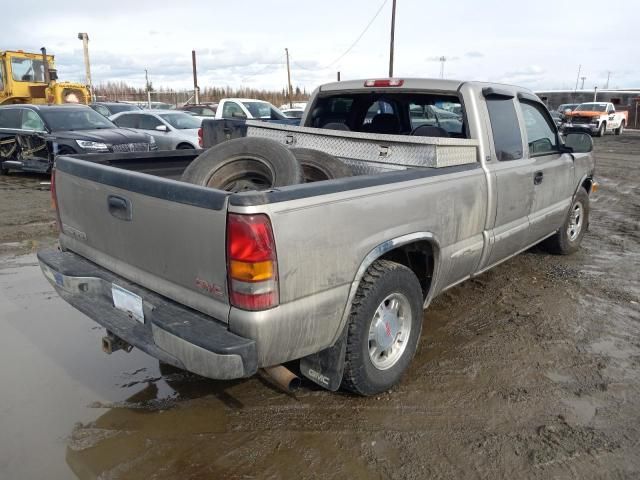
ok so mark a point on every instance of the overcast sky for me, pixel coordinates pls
(537, 44)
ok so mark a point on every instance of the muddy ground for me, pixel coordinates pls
(530, 371)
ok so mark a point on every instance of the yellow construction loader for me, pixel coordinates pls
(32, 78)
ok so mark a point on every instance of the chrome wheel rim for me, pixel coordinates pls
(389, 331)
(575, 221)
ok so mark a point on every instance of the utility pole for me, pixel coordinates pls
(608, 76)
(442, 60)
(393, 34)
(582, 85)
(146, 77)
(87, 65)
(338, 75)
(196, 89)
(577, 78)
(289, 79)
(595, 93)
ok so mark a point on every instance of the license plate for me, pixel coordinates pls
(128, 302)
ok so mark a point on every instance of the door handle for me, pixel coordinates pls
(537, 178)
(119, 207)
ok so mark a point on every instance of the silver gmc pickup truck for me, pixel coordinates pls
(448, 179)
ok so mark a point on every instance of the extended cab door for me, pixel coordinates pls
(553, 171)
(513, 178)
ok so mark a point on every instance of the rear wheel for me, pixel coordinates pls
(620, 129)
(384, 327)
(567, 240)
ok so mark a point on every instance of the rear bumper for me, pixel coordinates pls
(171, 332)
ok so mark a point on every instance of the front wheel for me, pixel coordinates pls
(620, 128)
(601, 130)
(567, 240)
(384, 328)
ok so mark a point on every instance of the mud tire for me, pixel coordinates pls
(381, 279)
(317, 165)
(244, 164)
(561, 243)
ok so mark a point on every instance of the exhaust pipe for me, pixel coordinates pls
(111, 343)
(283, 378)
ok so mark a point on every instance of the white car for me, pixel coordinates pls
(172, 130)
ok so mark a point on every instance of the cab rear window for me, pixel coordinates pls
(391, 113)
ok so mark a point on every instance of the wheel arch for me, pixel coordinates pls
(184, 145)
(419, 251)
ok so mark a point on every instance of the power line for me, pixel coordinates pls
(359, 36)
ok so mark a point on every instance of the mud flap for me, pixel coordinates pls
(327, 366)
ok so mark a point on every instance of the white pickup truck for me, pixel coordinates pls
(249, 109)
(596, 118)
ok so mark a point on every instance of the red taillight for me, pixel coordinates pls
(200, 142)
(54, 198)
(384, 82)
(251, 262)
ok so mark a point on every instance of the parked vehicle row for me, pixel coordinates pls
(258, 281)
(31, 134)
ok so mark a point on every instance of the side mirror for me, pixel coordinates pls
(578, 142)
(238, 115)
(162, 128)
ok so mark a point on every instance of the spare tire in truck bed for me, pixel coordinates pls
(244, 164)
(318, 165)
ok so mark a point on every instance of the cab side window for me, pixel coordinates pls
(505, 127)
(1, 76)
(230, 108)
(10, 118)
(148, 122)
(127, 121)
(541, 135)
(31, 121)
(610, 109)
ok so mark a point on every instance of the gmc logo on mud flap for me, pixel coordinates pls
(208, 287)
(318, 377)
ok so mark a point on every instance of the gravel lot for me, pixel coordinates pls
(530, 371)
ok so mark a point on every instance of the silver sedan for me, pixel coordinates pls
(172, 130)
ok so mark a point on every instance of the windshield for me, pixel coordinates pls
(264, 110)
(591, 107)
(62, 119)
(162, 106)
(181, 121)
(27, 70)
(122, 107)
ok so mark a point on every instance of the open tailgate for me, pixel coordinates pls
(162, 234)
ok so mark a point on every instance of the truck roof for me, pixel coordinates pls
(436, 84)
(408, 84)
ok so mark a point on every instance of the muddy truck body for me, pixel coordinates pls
(449, 179)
